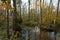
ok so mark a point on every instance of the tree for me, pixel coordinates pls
(6, 4)
(57, 24)
(16, 21)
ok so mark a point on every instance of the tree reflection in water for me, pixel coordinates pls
(32, 34)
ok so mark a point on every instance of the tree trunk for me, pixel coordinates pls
(8, 24)
(16, 21)
(56, 20)
(29, 10)
(40, 24)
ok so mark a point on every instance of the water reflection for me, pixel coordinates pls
(25, 34)
(34, 34)
(51, 34)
